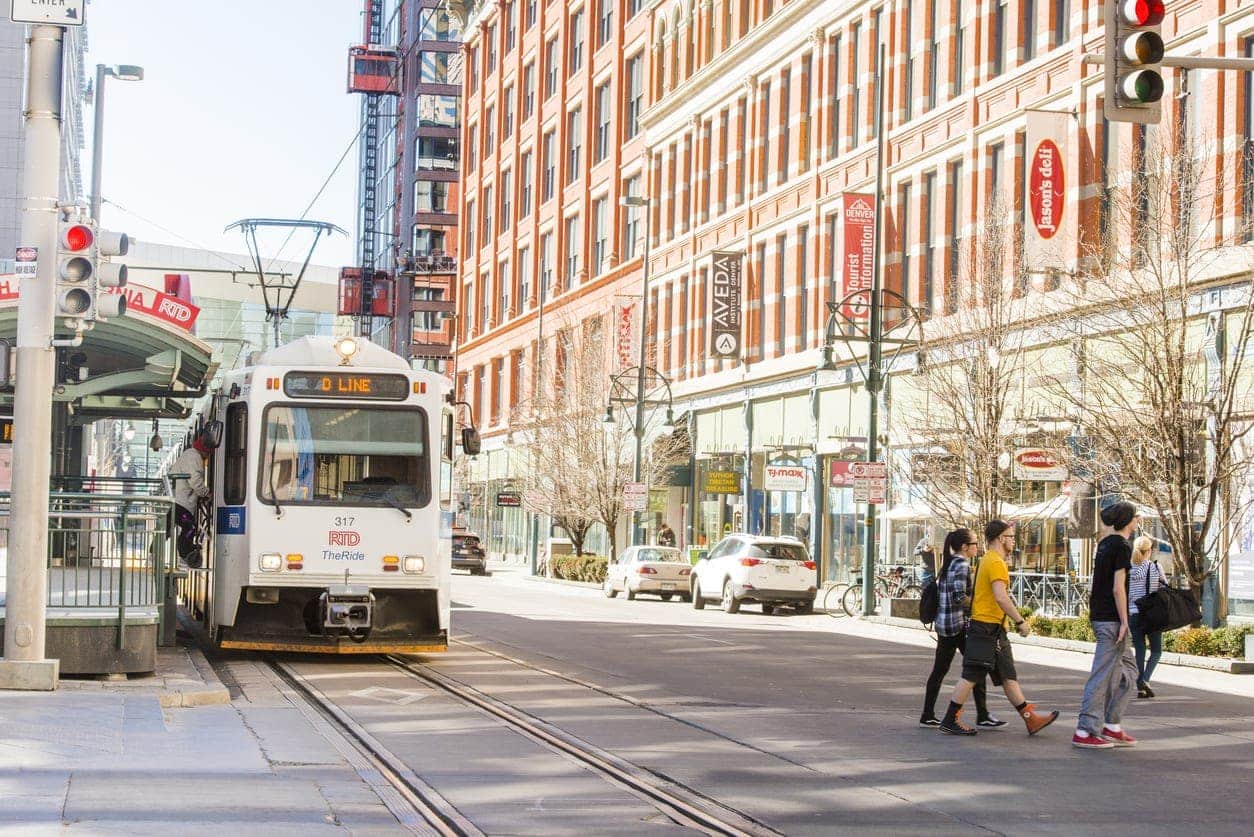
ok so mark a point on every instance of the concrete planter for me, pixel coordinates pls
(904, 608)
(1249, 646)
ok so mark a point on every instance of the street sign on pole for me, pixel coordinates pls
(870, 482)
(635, 496)
(48, 12)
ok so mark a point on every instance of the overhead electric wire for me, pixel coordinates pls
(215, 253)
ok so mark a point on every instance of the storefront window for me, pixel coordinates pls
(718, 513)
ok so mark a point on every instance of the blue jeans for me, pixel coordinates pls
(1145, 668)
(1111, 681)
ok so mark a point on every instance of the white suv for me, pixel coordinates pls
(773, 571)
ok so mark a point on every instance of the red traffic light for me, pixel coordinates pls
(1143, 12)
(77, 237)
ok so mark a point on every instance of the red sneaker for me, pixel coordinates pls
(1091, 742)
(1119, 739)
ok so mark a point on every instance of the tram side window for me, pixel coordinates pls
(363, 456)
(446, 463)
(235, 455)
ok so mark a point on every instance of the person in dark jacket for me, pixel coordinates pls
(665, 536)
(954, 586)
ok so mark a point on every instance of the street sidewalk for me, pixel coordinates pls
(177, 752)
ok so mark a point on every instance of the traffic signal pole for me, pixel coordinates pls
(24, 666)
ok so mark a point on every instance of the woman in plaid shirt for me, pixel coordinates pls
(953, 586)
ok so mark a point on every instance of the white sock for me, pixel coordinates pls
(1083, 733)
(1114, 728)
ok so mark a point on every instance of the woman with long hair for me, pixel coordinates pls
(953, 586)
(1143, 579)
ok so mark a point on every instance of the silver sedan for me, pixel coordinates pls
(658, 570)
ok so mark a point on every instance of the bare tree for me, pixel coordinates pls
(958, 427)
(579, 464)
(1161, 333)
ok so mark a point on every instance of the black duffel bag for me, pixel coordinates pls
(1167, 609)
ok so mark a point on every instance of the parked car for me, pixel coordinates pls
(661, 570)
(468, 553)
(772, 571)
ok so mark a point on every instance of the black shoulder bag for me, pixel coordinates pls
(1166, 608)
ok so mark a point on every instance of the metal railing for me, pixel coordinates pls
(107, 550)
(1051, 594)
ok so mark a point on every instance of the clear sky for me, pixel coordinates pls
(242, 113)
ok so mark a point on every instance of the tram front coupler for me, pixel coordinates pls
(347, 610)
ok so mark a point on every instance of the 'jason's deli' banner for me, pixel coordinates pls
(725, 310)
(154, 303)
(1048, 242)
(859, 252)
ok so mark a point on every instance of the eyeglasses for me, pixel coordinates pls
(972, 543)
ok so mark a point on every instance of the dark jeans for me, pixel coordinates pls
(945, 648)
(1144, 668)
(186, 523)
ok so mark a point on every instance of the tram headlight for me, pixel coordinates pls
(270, 562)
(345, 347)
(414, 564)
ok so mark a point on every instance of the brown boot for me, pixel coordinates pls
(1036, 721)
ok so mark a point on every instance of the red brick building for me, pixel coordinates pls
(745, 123)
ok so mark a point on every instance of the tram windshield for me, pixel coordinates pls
(345, 456)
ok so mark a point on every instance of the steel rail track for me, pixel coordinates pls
(683, 805)
(437, 815)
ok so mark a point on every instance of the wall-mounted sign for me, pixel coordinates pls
(1038, 465)
(722, 482)
(784, 478)
(508, 499)
(725, 312)
(838, 475)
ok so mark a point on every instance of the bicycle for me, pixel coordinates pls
(831, 598)
(894, 584)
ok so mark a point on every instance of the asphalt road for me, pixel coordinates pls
(811, 731)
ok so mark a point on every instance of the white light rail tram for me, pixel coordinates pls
(332, 503)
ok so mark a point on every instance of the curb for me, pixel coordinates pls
(1170, 658)
(213, 693)
(545, 580)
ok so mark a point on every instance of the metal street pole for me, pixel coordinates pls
(637, 536)
(24, 665)
(123, 72)
(539, 382)
(874, 375)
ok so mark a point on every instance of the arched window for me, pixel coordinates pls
(674, 43)
(659, 65)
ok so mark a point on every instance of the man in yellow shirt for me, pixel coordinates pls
(988, 645)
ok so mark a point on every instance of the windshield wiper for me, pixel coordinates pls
(396, 504)
(274, 495)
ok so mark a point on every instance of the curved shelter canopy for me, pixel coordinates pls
(146, 364)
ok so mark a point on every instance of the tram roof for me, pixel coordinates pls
(316, 351)
(138, 366)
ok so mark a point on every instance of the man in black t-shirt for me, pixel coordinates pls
(1114, 674)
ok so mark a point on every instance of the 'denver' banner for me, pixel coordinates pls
(1048, 240)
(859, 252)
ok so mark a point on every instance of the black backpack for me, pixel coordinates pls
(929, 603)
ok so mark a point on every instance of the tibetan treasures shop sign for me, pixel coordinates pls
(721, 482)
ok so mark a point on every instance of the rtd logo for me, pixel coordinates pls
(1047, 188)
(343, 538)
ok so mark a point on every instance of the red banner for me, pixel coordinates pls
(626, 334)
(859, 252)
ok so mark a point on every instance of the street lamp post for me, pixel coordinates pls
(122, 72)
(640, 202)
(640, 399)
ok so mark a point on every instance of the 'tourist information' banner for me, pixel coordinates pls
(859, 252)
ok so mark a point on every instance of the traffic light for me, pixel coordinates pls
(1134, 52)
(110, 275)
(75, 284)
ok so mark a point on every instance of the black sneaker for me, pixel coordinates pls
(1144, 691)
(929, 721)
(990, 722)
(954, 726)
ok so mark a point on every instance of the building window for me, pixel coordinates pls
(1062, 22)
(635, 93)
(855, 80)
(489, 131)
(836, 100)
(634, 7)
(933, 58)
(605, 24)
(426, 320)
(485, 301)
(507, 112)
(996, 152)
(576, 41)
(803, 279)
(524, 278)
(470, 226)
(742, 169)
(524, 185)
(437, 154)
(472, 139)
(781, 300)
(573, 246)
(764, 109)
(546, 265)
(431, 196)
(428, 242)
(601, 236)
(603, 121)
(531, 13)
(877, 39)
(955, 235)
(433, 67)
(472, 73)
(487, 215)
(529, 89)
(762, 297)
(960, 49)
(438, 25)
(574, 144)
(504, 285)
(490, 37)
(550, 68)
(511, 25)
(1247, 145)
(707, 142)
(908, 38)
(549, 164)
(785, 122)
(631, 218)
(468, 311)
(437, 111)
(1027, 11)
(998, 44)
(507, 195)
(926, 231)
(904, 208)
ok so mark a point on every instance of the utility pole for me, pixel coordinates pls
(24, 666)
(875, 353)
(645, 205)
